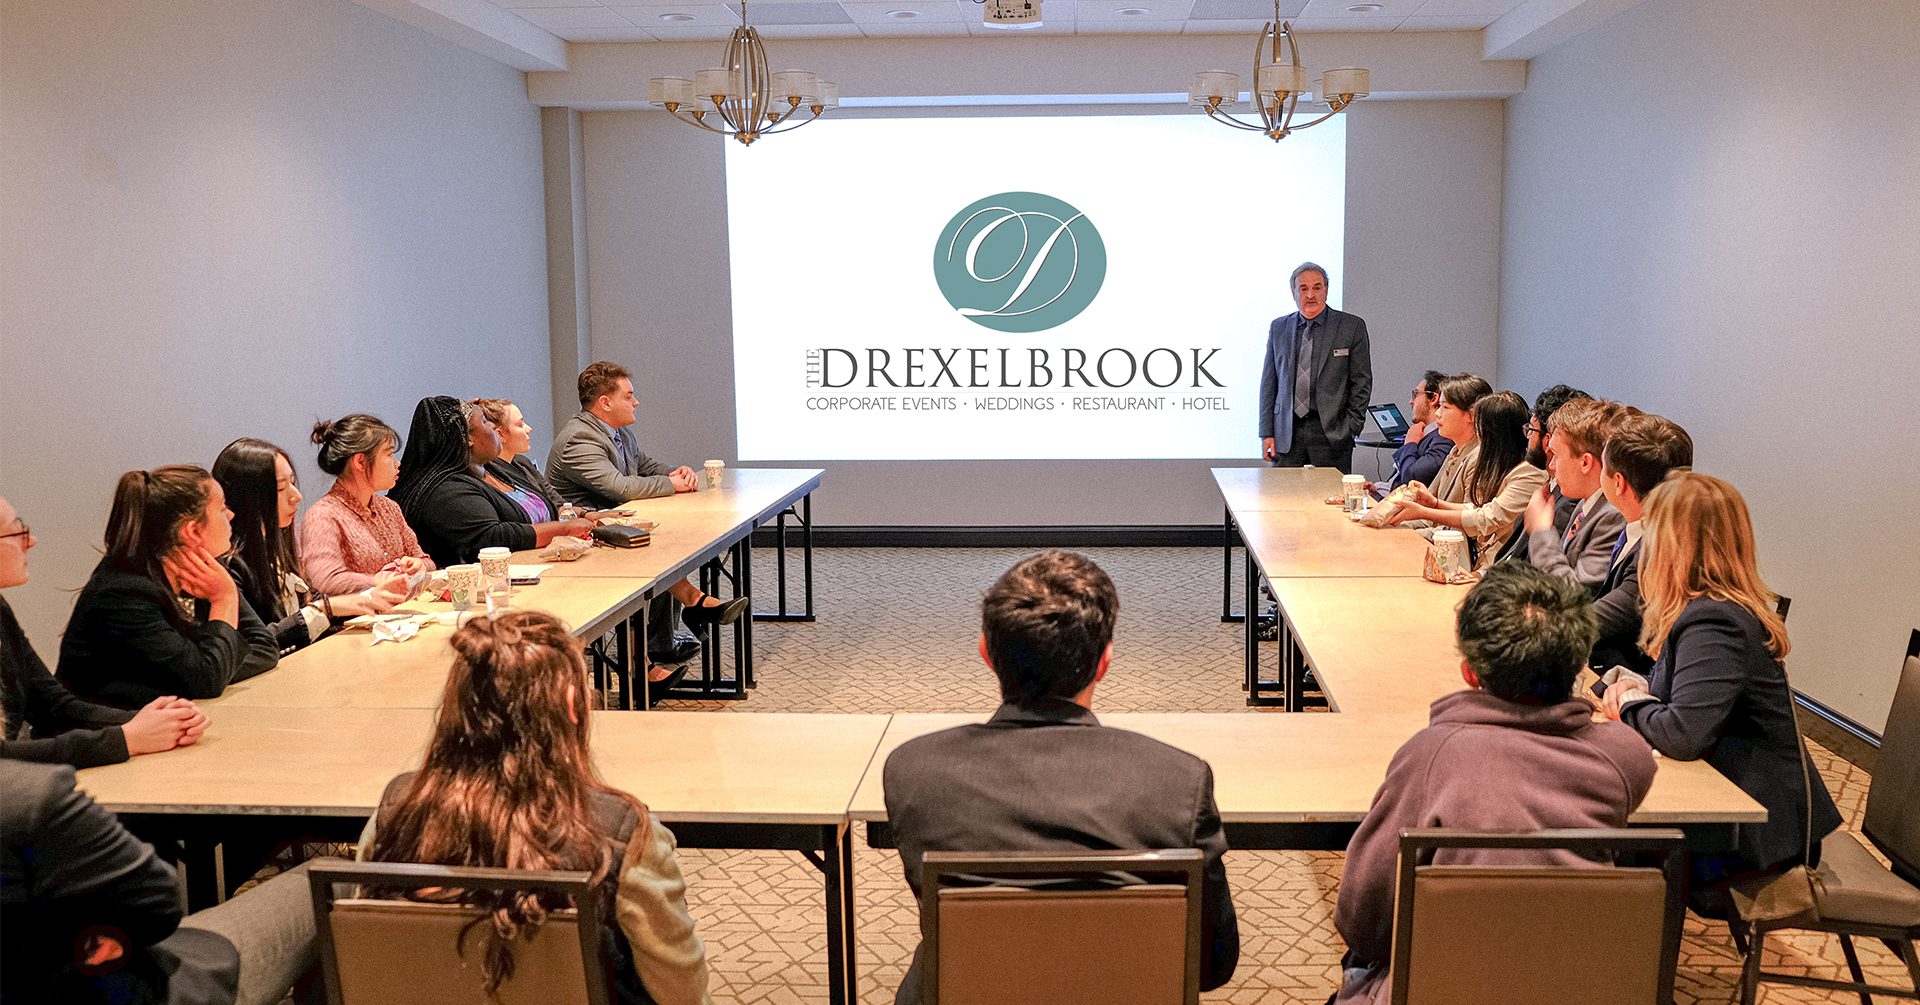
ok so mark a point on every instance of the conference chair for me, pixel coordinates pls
(1853, 893)
(401, 952)
(1059, 927)
(1521, 935)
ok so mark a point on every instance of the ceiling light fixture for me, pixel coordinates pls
(677, 17)
(903, 14)
(1366, 8)
(1013, 15)
(748, 100)
(1280, 82)
(1132, 11)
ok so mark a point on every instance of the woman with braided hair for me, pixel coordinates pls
(509, 782)
(444, 495)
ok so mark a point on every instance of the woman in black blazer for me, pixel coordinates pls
(160, 615)
(263, 491)
(444, 495)
(1718, 690)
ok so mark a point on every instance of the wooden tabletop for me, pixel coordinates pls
(765, 768)
(692, 526)
(1271, 488)
(1310, 767)
(347, 670)
(1324, 542)
(1379, 646)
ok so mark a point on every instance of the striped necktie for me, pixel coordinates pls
(1573, 526)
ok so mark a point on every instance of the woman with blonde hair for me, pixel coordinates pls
(509, 782)
(1718, 690)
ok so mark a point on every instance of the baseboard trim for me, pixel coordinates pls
(1141, 536)
(1839, 733)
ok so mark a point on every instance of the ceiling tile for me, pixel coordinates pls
(1446, 8)
(522, 4)
(1260, 11)
(704, 15)
(556, 19)
(1156, 10)
(915, 28)
(1451, 22)
(627, 34)
(1195, 26)
(810, 12)
(689, 33)
(1389, 9)
(1132, 27)
(848, 30)
(930, 11)
(1375, 22)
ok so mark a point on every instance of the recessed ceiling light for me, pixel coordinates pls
(903, 14)
(677, 17)
(1132, 11)
(1366, 8)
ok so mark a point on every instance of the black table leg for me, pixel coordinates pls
(1226, 569)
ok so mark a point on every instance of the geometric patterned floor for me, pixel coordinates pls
(896, 632)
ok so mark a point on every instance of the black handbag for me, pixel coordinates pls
(616, 535)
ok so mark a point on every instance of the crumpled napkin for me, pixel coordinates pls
(395, 631)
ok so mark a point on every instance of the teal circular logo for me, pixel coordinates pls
(1019, 262)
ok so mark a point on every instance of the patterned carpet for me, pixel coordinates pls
(897, 631)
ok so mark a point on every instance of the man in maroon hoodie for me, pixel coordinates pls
(1516, 751)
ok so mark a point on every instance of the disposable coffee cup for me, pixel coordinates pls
(716, 470)
(1352, 487)
(496, 575)
(463, 586)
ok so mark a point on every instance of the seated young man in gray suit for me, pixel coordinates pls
(1640, 452)
(1043, 774)
(1515, 751)
(596, 464)
(1583, 552)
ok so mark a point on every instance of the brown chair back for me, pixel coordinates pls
(400, 952)
(1081, 945)
(1893, 800)
(1519, 935)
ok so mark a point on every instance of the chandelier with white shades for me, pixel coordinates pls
(1280, 83)
(741, 98)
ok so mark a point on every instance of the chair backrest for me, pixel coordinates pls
(1781, 604)
(1517, 935)
(402, 952)
(1893, 800)
(1080, 937)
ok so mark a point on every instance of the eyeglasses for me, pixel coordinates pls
(22, 532)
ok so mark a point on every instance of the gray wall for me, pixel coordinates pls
(1712, 212)
(1423, 195)
(230, 218)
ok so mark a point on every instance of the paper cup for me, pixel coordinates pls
(463, 585)
(716, 471)
(496, 574)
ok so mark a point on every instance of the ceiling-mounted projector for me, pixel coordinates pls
(1012, 14)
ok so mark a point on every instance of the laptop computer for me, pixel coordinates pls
(1392, 424)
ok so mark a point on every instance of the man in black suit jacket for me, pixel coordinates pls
(1043, 774)
(1315, 381)
(1640, 451)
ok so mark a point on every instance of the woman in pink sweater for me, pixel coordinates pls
(353, 533)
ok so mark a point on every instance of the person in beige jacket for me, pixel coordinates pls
(1498, 487)
(508, 782)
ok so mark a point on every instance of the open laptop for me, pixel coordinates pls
(1393, 425)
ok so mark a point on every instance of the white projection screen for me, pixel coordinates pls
(1058, 287)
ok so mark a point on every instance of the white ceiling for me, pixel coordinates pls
(645, 20)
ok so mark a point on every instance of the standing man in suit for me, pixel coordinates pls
(596, 463)
(1640, 452)
(1314, 386)
(1583, 552)
(1043, 774)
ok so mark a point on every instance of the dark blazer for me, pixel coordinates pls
(461, 515)
(290, 632)
(1048, 776)
(65, 730)
(1342, 376)
(1724, 698)
(522, 473)
(1618, 609)
(1420, 460)
(67, 870)
(127, 643)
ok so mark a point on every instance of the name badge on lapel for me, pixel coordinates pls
(1343, 352)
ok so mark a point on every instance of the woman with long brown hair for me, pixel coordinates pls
(509, 782)
(1718, 690)
(1498, 485)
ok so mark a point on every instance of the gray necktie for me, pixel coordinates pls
(620, 455)
(1303, 371)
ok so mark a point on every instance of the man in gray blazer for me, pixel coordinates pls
(1043, 774)
(1582, 553)
(594, 461)
(1316, 379)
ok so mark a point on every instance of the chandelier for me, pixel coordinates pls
(1280, 82)
(743, 99)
